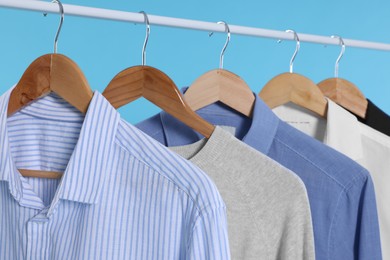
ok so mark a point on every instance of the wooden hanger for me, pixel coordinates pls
(50, 72)
(344, 92)
(221, 85)
(295, 88)
(154, 85)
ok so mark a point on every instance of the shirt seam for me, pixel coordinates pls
(201, 214)
(211, 112)
(318, 167)
(48, 118)
(333, 222)
(157, 171)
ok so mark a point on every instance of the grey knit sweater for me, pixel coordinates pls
(268, 209)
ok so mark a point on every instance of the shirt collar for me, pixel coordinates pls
(86, 171)
(263, 129)
(343, 131)
(260, 134)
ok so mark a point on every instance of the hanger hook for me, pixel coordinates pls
(60, 25)
(227, 29)
(296, 38)
(336, 66)
(146, 37)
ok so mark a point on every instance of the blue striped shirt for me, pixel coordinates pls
(122, 195)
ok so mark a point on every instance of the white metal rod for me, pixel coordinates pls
(132, 17)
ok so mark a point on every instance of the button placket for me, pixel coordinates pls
(37, 237)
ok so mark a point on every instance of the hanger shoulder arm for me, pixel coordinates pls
(162, 91)
(295, 88)
(34, 83)
(125, 87)
(346, 94)
(224, 86)
(158, 88)
(68, 81)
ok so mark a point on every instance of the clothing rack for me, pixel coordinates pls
(100, 13)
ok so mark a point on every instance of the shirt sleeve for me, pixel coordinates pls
(355, 229)
(209, 239)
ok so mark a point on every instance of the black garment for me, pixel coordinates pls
(376, 118)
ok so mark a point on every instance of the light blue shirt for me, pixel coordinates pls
(122, 195)
(341, 193)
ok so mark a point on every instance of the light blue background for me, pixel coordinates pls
(103, 48)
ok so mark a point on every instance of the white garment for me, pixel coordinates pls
(368, 147)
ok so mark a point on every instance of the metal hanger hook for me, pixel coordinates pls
(336, 66)
(146, 37)
(227, 29)
(60, 25)
(298, 45)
